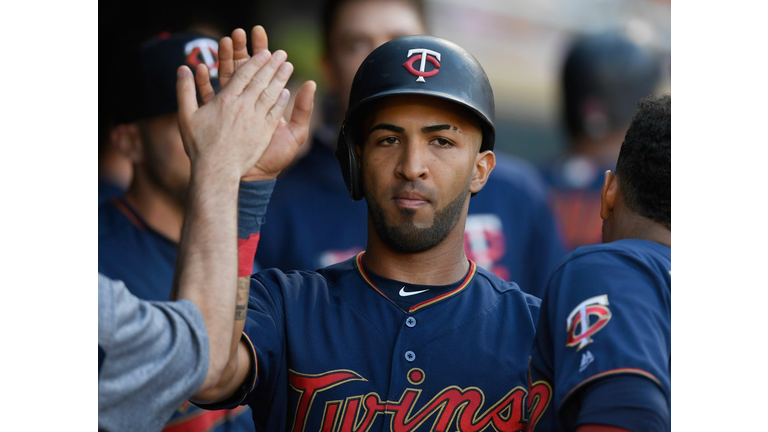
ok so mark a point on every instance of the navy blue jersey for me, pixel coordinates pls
(605, 317)
(334, 352)
(108, 190)
(131, 251)
(311, 221)
(575, 183)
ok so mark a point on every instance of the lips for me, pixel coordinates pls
(410, 200)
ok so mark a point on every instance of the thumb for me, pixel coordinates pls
(185, 93)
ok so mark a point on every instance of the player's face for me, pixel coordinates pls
(359, 28)
(419, 163)
(166, 164)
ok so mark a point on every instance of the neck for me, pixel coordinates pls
(444, 264)
(605, 149)
(634, 226)
(158, 209)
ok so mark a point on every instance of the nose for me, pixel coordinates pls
(412, 163)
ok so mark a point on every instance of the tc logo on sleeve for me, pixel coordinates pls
(580, 323)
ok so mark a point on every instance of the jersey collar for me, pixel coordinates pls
(464, 284)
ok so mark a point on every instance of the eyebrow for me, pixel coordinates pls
(387, 126)
(435, 128)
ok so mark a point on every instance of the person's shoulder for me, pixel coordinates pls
(500, 286)
(613, 266)
(325, 277)
(634, 249)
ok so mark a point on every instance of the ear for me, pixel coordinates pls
(127, 139)
(484, 164)
(608, 195)
(330, 76)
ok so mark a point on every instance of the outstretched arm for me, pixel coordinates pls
(245, 123)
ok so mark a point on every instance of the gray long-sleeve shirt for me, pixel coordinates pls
(155, 356)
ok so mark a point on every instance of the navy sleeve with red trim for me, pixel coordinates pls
(606, 313)
(627, 401)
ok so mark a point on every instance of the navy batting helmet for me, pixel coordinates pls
(420, 65)
(603, 78)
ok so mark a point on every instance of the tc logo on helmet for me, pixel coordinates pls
(205, 51)
(578, 323)
(424, 55)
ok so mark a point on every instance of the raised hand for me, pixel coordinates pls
(288, 135)
(234, 128)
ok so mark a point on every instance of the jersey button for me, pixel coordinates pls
(410, 322)
(410, 356)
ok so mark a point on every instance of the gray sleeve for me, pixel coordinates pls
(156, 357)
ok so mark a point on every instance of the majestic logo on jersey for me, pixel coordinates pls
(485, 243)
(580, 324)
(425, 56)
(462, 408)
(203, 51)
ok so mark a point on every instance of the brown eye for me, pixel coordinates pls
(389, 140)
(442, 142)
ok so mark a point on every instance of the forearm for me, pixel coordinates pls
(206, 269)
(252, 206)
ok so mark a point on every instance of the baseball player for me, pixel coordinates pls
(603, 77)
(408, 334)
(601, 360)
(509, 228)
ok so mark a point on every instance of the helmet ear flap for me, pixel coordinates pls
(346, 154)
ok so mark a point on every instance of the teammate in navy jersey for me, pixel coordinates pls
(313, 223)
(603, 77)
(601, 360)
(140, 230)
(409, 334)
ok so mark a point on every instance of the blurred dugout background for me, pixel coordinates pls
(520, 43)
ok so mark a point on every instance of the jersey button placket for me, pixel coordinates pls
(410, 322)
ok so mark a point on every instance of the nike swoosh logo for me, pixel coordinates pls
(404, 293)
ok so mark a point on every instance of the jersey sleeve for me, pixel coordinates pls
(627, 401)
(604, 315)
(155, 357)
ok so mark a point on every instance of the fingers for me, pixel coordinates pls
(264, 77)
(240, 48)
(203, 80)
(270, 94)
(259, 39)
(278, 109)
(185, 93)
(245, 74)
(302, 111)
(226, 61)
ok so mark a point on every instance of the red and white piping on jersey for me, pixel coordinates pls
(414, 308)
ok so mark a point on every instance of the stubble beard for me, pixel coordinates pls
(405, 237)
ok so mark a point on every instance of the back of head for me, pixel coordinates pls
(603, 78)
(414, 65)
(644, 168)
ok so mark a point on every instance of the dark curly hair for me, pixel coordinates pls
(644, 167)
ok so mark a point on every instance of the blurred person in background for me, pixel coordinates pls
(312, 221)
(603, 78)
(140, 230)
